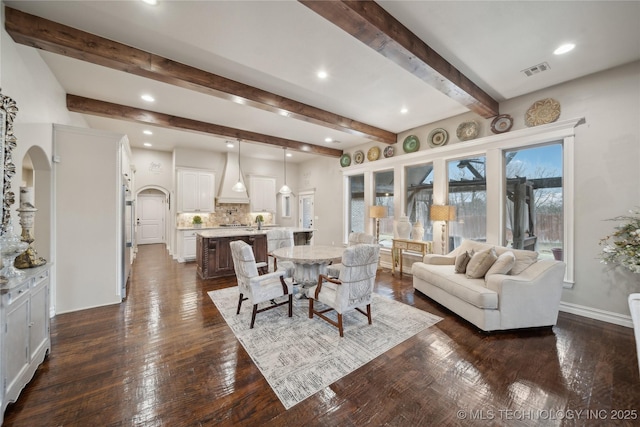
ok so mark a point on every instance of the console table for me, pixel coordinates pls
(410, 245)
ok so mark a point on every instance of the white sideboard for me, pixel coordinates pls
(25, 339)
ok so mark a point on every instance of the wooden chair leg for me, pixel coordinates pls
(340, 325)
(253, 315)
(369, 312)
(239, 303)
(310, 308)
(290, 305)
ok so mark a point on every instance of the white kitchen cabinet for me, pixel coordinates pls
(24, 339)
(187, 245)
(262, 193)
(196, 190)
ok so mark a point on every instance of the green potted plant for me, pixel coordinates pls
(197, 221)
(259, 220)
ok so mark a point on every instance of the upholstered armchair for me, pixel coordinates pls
(352, 290)
(255, 287)
(354, 239)
(276, 239)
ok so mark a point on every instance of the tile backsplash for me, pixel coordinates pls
(226, 213)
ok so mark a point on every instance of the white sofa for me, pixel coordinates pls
(528, 296)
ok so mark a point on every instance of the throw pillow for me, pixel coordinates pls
(503, 264)
(480, 263)
(461, 262)
(524, 259)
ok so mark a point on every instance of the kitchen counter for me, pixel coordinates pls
(243, 231)
(213, 252)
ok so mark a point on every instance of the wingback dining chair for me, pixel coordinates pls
(255, 287)
(276, 239)
(355, 238)
(352, 290)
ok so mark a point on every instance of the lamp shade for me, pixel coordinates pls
(378, 211)
(442, 213)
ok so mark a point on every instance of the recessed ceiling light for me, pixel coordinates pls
(567, 47)
(289, 154)
(147, 132)
(151, 2)
(148, 98)
(229, 144)
(147, 144)
(404, 110)
(322, 74)
(328, 139)
(284, 113)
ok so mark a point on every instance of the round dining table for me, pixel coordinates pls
(309, 261)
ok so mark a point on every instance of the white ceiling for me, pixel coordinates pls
(278, 46)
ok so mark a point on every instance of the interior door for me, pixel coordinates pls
(305, 211)
(150, 219)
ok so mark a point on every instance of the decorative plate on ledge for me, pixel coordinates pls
(468, 130)
(388, 151)
(358, 157)
(438, 137)
(373, 154)
(502, 123)
(345, 160)
(411, 144)
(542, 112)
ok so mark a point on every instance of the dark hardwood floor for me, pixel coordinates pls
(165, 357)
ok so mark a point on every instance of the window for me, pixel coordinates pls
(356, 204)
(419, 196)
(534, 200)
(468, 194)
(286, 206)
(384, 197)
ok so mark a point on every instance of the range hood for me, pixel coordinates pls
(229, 178)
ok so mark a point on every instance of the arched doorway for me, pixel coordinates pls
(36, 173)
(151, 215)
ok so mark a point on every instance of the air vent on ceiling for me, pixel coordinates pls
(536, 69)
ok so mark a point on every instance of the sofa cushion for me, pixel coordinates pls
(461, 262)
(472, 291)
(480, 263)
(523, 259)
(503, 264)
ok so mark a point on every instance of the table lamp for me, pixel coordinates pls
(442, 213)
(378, 212)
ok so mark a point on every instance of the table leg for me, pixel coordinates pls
(400, 254)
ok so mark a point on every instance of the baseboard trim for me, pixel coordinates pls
(597, 314)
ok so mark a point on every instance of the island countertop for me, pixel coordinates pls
(244, 231)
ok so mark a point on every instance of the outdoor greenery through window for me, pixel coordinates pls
(419, 197)
(384, 197)
(534, 202)
(468, 194)
(356, 204)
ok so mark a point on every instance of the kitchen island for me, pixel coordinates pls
(213, 253)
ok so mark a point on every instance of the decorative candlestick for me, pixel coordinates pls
(27, 212)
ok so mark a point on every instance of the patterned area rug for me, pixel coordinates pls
(299, 356)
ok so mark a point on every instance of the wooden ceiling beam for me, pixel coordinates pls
(375, 27)
(79, 104)
(53, 37)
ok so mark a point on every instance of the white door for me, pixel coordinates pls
(150, 219)
(305, 211)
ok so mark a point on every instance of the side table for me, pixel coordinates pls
(410, 245)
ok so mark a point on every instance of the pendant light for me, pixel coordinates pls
(239, 186)
(285, 190)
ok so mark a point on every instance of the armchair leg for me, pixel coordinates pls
(290, 305)
(340, 325)
(253, 315)
(240, 302)
(369, 312)
(310, 308)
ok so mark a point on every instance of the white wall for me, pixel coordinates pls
(41, 101)
(607, 176)
(153, 168)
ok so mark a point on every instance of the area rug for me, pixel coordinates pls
(299, 356)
